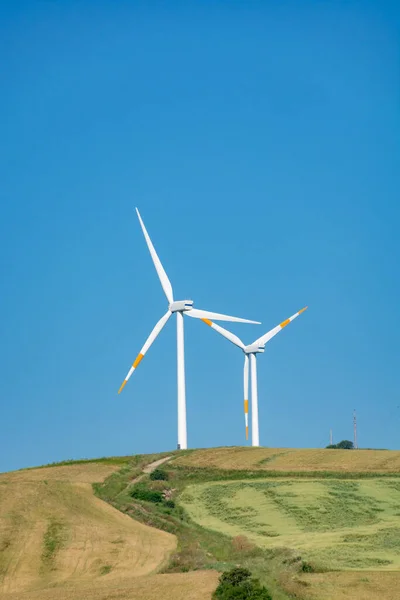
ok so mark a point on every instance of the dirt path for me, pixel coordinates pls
(150, 468)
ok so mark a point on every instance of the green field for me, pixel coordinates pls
(334, 524)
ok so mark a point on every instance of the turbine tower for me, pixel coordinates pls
(180, 308)
(251, 351)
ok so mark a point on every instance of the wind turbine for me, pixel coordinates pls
(251, 350)
(180, 308)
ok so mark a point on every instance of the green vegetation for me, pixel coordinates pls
(198, 547)
(282, 526)
(105, 569)
(343, 445)
(238, 584)
(159, 475)
(111, 460)
(52, 542)
(198, 474)
(314, 517)
(141, 492)
(307, 567)
(119, 481)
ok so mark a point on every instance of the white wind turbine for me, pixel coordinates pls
(251, 350)
(180, 307)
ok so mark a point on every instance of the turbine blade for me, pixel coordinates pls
(246, 393)
(146, 346)
(227, 334)
(196, 313)
(265, 338)
(165, 282)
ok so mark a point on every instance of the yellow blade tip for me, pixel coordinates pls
(122, 386)
(302, 310)
(247, 433)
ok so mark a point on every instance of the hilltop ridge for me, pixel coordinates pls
(272, 509)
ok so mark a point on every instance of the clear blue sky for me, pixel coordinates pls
(261, 142)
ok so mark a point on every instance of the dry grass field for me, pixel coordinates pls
(281, 459)
(54, 531)
(58, 541)
(197, 585)
(79, 473)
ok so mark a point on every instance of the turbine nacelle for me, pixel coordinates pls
(255, 348)
(181, 306)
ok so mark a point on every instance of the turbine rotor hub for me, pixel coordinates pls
(181, 306)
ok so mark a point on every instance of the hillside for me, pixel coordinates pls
(55, 532)
(280, 512)
(336, 524)
(287, 460)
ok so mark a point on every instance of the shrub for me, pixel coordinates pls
(235, 576)
(143, 493)
(343, 445)
(238, 584)
(159, 475)
(169, 503)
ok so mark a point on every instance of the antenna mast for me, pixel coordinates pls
(330, 438)
(355, 429)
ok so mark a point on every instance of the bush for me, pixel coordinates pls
(169, 503)
(235, 576)
(143, 493)
(238, 584)
(343, 445)
(159, 475)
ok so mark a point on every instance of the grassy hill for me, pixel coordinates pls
(312, 524)
(333, 524)
(58, 540)
(298, 461)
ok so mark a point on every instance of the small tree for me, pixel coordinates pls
(238, 584)
(343, 445)
(159, 475)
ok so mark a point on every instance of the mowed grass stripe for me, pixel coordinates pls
(337, 524)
